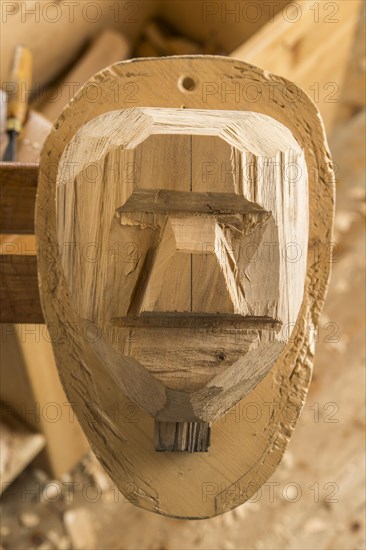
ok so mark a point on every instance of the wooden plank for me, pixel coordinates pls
(298, 44)
(109, 47)
(19, 294)
(68, 30)
(17, 197)
(219, 26)
(66, 443)
(18, 445)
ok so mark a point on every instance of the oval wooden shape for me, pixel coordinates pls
(243, 454)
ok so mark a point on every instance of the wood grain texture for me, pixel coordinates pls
(292, 39)
(224, 25)
(17, 197)
(124, 448)
(67, 27)
(296, 44)
(191, 437)
(194, 266)
(19, 294)
(20, 301)
(19, 446)
(107, 48)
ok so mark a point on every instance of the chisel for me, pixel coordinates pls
(20, 82)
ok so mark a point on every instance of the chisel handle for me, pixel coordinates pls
(20, 81)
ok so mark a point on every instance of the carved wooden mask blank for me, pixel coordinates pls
(184, 242)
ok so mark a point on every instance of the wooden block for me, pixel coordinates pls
(18, 182)
(226, 25)
(158, 41)
(40, 25)
(297, 43)
(291, 39)
(191, 437)
(18, 445)
(19, 289)
(18, 196)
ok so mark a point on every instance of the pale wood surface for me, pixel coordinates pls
(130, 458)
(58, 32)
(293, 43)
(18, 447)
(107, 48)
(353, 98)
(297, 43)
(226, 25)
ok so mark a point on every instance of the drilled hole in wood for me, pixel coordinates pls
(187, 83)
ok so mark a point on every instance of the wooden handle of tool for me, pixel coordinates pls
(21, 78)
